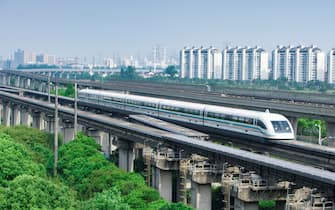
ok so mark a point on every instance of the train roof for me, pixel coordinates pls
(189, 105)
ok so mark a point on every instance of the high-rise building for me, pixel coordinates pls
(159, 58)
(29, 58)
(200, 63)
(244, 63)
(45, 59)
(300, 64)
(40, 58)
(331, 67)
(51, 59)
(18, 57)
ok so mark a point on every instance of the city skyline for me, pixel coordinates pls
(129, 28)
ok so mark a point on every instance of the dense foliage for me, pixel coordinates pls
(310, 127)
(85, 169)
(86, 180)
(171, 71)
(33, 192)
(67, 92)
(15, 160)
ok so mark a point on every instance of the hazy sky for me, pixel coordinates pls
(103, 27)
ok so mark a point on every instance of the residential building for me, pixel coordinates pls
(200, 63)
(159, 57)
(46, 59)
(299, 64)
(244, 63)
(18, 57)
(331, 67)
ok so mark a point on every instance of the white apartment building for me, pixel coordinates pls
(200, 63)
(45, 59)
(300, 64)
(331, 67)
(244, 63)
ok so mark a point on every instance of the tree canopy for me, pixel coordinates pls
(171, 71)
(16, 160)
(31, 192)
(85, 180)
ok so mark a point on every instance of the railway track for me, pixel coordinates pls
(303, 153)
(309, 154)
(142, 87)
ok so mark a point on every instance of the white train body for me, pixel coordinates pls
(239, 121)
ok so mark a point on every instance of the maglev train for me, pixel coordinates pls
(246, 123)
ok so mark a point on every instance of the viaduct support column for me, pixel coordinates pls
(201, 195)
(68, 131)
(294, 123)
(331, 133)
(106, 143)
(166, 162)
(103, 139)
(16, 115)
(28, 83)
(25, 117)
(17, 81)
(203, 175)
(8, 80)
(3, 79)
(37, 120)
(126, 155)
(50, 123)
(21, 82)
(6, 114)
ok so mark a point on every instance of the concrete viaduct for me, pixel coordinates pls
(245, 177)
(291, 110)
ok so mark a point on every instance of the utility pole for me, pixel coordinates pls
(49, 80)
(56, 132)
(75, 108)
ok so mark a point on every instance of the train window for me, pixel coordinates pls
(249, 121)
(188, 111)
(281, 127)
(149, 104)
(261, 124)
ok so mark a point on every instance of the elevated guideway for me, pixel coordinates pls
(300, 174)
(311, 154)
(173, 128)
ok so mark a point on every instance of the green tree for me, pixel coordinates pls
(16, 160)
(38, 142)
(175, 206)
(31, 192)
(128, 73)
(69, 91)
(78, 159)
(109, 199)
(171, 71)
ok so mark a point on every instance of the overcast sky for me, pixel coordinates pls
(104, 27)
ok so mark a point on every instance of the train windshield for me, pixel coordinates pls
(281, 126)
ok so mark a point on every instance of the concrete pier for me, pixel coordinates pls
(308, 199)
(294, 123)
(103, 139)
(244, 190)
(67, 130)
(126, 155)
(50, 123)
(203, 174)
(165, 162)
(6, 114)
(25, 117)
(37, 120)
(16, 112)
(331, 133)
